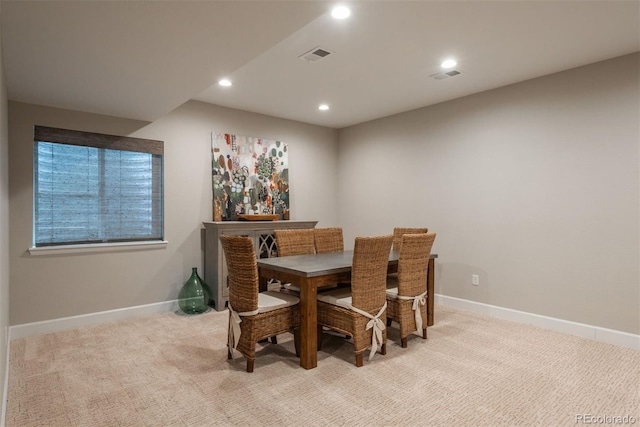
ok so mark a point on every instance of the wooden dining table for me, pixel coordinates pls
(313, 272)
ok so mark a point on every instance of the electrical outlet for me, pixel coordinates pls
(475, 280)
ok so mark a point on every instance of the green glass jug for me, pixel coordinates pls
(195, 295)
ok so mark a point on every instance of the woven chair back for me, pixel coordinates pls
(398, 232)
(369, 272)
(328, 240)
(295, 242)
(413, 263)
(242, 269)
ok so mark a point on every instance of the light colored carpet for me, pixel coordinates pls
(171, 370)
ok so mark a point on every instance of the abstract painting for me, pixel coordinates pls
(250, 177)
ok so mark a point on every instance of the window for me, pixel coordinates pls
(94, 188)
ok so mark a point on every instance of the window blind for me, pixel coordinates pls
(94, 188)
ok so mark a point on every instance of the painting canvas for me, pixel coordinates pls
(250, 177)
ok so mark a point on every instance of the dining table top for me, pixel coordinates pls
(315, 265)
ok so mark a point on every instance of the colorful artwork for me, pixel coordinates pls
(250, 177)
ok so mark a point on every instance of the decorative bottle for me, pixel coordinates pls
(195, 295)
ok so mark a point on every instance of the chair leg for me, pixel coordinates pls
(359, 360)
(403, 342)
(296, 341)
(383, 349)
(319, 333)
(251, 352)
(424, 333)
(274, 339)
(229, 355)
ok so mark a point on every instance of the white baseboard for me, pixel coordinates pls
(597, 333)
(5, 387)
(65, 323)
(610, 336)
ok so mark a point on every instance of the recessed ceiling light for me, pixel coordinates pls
(449, 63)
(225, 82)
(340, 12)
(323, 107)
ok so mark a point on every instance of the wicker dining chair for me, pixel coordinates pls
(254, 315)
(328, 240)
(398, 232)
(294, 242)
(407, 291)
(360, 311)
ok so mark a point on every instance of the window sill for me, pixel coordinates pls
(98, 247)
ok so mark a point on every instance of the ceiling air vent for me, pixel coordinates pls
(315, 54)
(445, 75)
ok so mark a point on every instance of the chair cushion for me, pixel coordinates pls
(339, 296)
(392, 293)
(291, 287)
(272, 300)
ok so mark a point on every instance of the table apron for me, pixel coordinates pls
(320, 281)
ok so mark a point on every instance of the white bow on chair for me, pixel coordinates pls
(377, 325)
(418, 300)
(235, 319)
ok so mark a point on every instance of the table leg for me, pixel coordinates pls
(430, 291)
(308, 323)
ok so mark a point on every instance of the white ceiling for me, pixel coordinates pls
(142, 59)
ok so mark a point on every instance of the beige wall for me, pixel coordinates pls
(54, 286)
(4, 222)
(534, 187)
